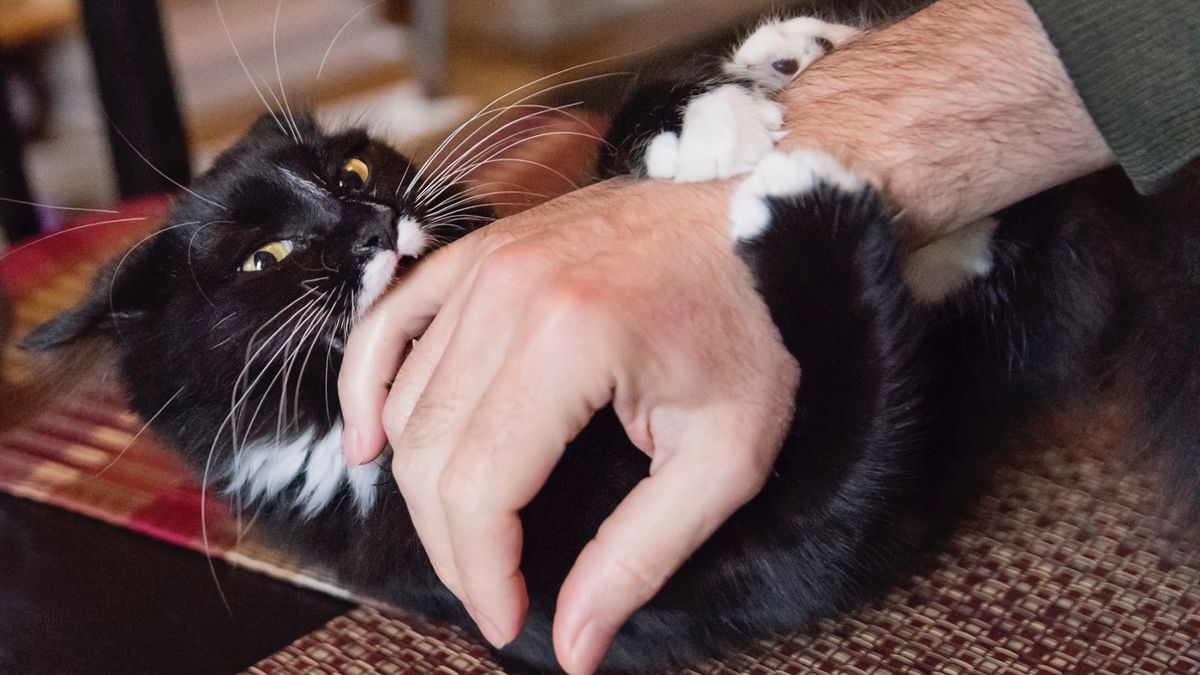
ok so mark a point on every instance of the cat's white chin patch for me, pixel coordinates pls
(377, 275)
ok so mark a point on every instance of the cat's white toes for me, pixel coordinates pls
(662, 155)
(725, 132)
(942, 267)
(780, 50)
(783, 175)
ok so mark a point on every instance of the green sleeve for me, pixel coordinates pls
(1136, 65)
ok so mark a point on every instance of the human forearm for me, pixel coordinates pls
(960, 110)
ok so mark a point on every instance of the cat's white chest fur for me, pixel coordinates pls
(264, 469)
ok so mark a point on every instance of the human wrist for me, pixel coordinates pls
(956, 112)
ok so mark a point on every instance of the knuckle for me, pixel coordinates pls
(463, 484)
(510, 265)
(639, 577)
(568, 305)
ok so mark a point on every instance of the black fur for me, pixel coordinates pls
(900, 411)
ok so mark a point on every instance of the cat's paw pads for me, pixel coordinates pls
(783, 175)
(780, 50)
(725, 132)
(942, 267)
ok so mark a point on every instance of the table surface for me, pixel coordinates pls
(80, 596)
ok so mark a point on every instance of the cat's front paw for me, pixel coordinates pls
(725, 132)
(781, 176)
(780, 50)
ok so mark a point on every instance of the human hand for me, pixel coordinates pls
(628, 293)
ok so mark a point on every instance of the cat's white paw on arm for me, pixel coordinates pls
(784, 175)
(780, 50)
(725, 132)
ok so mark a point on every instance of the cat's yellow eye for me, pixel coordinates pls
(354, 174)
(268, 256)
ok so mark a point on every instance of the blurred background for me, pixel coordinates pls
(409, 69)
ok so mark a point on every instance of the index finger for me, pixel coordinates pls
(377, 344)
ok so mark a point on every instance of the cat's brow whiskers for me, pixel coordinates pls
(337, 35)
(158, 171)
(287, 108)
(238, 55)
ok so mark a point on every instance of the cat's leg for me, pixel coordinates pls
(826, 259)
(727, 129)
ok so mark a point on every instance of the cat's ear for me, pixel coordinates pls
(117, 298)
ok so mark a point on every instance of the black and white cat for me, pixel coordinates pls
(229, 324)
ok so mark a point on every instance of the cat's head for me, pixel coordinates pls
(229, 320)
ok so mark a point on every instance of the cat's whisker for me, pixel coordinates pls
(446, 169)
(43, 239)
(338, 34)
(243, 376)
(40, 205)
(117, 270)
(138, 434)
(310, 325)
(158, 171)
(488, 109)
(335, 334)
(191, 267)
(287, 108)
(238, 55)
(320, 330)
(297, 317)
(477, 159)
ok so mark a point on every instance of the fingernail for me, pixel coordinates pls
(489, 630)
(589, 648)
(352, 447)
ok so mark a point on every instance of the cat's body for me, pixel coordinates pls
(228, 328)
